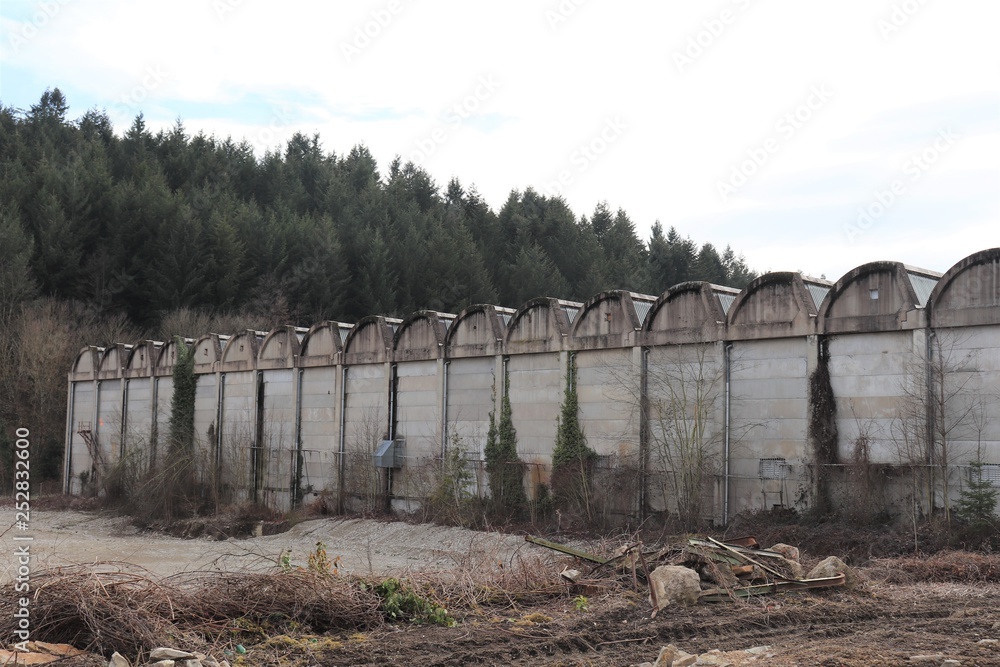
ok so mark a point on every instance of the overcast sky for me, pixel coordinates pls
(812, 136)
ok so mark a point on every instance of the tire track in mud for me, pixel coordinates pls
(625, 637)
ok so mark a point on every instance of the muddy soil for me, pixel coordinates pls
(880, 627)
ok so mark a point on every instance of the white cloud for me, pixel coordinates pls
(559, 84)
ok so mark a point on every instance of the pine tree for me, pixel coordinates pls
(503, 466)
(572, 458)
(978, 501)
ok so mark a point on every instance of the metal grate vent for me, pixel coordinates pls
(776, 468)
(989, 472)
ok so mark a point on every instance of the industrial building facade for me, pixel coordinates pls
(785, 394)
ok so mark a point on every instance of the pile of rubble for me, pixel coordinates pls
(171, 657)
(707, 570)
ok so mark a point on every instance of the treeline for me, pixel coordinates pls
(109, 237)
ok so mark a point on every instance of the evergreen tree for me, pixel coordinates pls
(977, 503)
(503, 466)
(16, 282)
(572, 458)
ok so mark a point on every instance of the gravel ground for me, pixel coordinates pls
(364, 546)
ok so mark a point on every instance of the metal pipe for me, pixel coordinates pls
(220, 414)
(70, 409)
(643, 430)
(393, 370)
(444, 411)
(297, 472)
(343, 441)
(727, 354)
(124, 409)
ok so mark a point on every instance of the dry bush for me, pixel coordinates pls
(484, 578)
(945, 566)
(315, 602)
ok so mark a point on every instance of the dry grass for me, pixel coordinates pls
(483, 578)
(945, 566)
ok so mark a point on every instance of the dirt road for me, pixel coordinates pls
(363, 546)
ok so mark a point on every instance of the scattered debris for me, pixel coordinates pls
(708, 570)
(38, 653)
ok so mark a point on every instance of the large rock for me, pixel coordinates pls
(164, 653)
(786, 550)
(831, 567)
(795, 568)
(674, 584)
(671, 656)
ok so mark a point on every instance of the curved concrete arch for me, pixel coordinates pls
(323, 342)
(281, 347)
(113, 361)
(690, 312)
(240, 352)
(878, 296)
(87, 363)
(371, 340)
(421, 335)
(528, 333)
(611, 318)
(776, 305)
(478, 331)
(968, 294)
(142, 359)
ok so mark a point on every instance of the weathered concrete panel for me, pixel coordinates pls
(471, 389)
(238, 432)
(138, 416)
(82, 410)
(869, 373)
(536, 394)
(320, 430)
(206, 411)
(418, 414)
(366, 423)
(608, 395)
(277, 440)
(109, 420)
(164, 398)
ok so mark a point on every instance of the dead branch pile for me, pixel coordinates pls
(120, 610)
(486, 579)
(128, 610)
(315, 602)
(944, 567)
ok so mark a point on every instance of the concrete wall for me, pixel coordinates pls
(887, 330)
